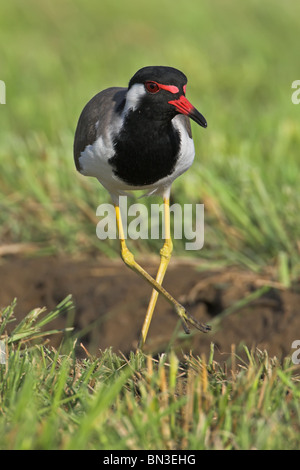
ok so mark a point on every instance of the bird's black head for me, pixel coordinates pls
(159, 93)
(160, 74)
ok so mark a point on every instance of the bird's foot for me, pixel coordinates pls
(187, 318)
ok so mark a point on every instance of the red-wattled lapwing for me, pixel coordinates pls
(140, 138)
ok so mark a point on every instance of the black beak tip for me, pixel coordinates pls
(198, 118)
(202, 122)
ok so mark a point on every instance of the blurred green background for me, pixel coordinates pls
(241, 59)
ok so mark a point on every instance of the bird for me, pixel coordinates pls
(139, 138)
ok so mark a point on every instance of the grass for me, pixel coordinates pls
(50, 399)
(240, 60)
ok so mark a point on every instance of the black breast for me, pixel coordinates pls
(145, 151)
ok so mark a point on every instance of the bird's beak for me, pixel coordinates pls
(185, 107)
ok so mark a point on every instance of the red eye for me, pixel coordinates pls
(184, 89)
(152, 87)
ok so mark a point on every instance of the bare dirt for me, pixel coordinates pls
(111, 301)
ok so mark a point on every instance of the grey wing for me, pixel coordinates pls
(96, 117)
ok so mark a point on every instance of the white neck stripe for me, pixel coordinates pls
(133, 97)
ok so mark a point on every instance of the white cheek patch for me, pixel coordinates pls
(133, 97)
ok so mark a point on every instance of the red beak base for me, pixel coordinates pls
(185, 107)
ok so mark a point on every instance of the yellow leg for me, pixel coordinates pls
(165, 256)
(129, 260)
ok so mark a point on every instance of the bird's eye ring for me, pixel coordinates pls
(152, 87)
